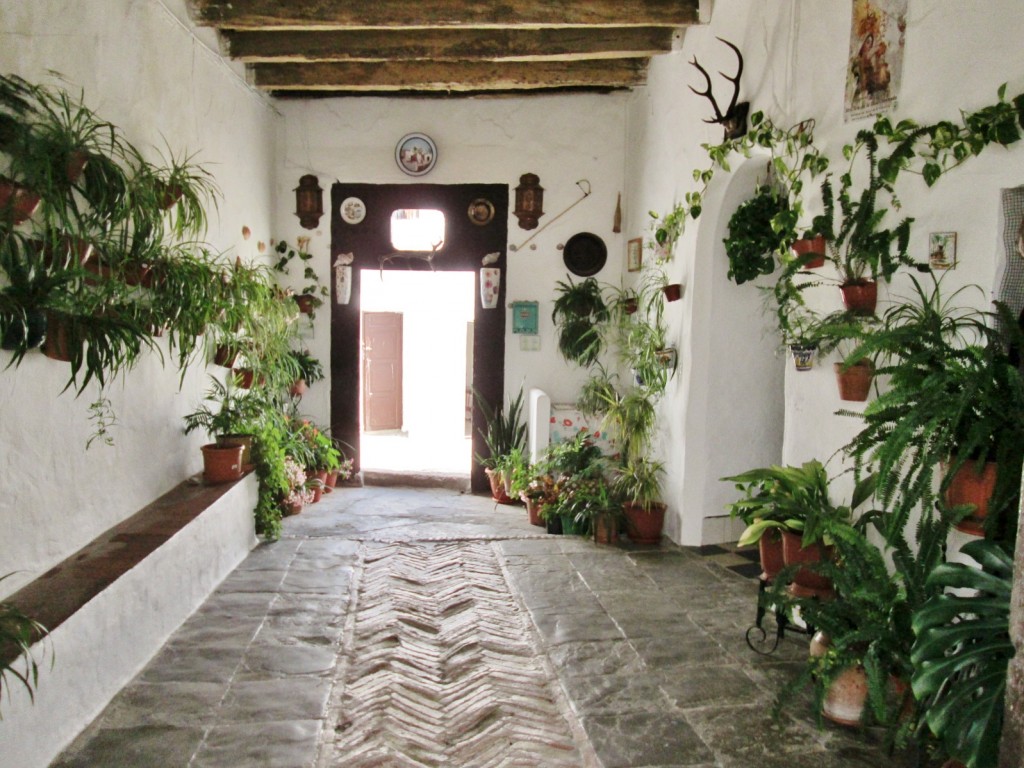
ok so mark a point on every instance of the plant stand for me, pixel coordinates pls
(782, 623)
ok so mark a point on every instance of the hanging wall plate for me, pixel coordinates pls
(584, 254)
(481, 211)
(416, 154)
(353, 210)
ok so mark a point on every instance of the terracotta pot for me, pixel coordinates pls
(644, 525)
(860, 297)
(606, 530)
(169, 194)
(77, 160)
(306, 302)
(298, 388)
(138, 274)
(221, 464)
(806, 582)
(846, 696)
(854, 381)
(245, 441)
(244, 377)
(673, 291)
(803, 356)
(968, 486)
(630, 306)
(17, 201)
(533, 510)
(225, 356)
(497, 486)
(57, 345)
(769, 546)
(321, 475)
(819, 644)
(292, 508)
(331, 481)
(811, 251)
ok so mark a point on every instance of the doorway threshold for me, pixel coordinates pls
(424, 479)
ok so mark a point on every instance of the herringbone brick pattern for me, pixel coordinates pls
(440, 669)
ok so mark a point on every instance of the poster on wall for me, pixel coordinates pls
(875, 69)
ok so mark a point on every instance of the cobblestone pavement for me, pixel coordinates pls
(415, 627)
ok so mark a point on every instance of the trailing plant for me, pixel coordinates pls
(753, 238)
(311, 285)
(579, 312)
(18, 634)
(962, 650)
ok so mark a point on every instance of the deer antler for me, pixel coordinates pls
(732, 119)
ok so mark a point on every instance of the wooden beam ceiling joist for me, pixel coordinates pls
(385, 14)
(449, 44)
(359, 77)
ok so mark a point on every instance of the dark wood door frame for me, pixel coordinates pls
(466, 243)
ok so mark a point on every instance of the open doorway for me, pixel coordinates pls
(415, 372)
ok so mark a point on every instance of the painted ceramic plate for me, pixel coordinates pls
(416, 154)
(353, 210)
(481, 211)
(584, 254)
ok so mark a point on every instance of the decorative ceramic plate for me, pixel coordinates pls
(353, 210)
(416, 154)
(584, 254)
(481, 211)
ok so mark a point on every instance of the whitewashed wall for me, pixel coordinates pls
(140, 67)
(795, 54)
(560, 138)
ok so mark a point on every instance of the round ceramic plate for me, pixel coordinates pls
(481, 211)
(584, 254)
(416, 154)
(353, 210)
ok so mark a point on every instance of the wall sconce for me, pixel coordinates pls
(529, 201)
(309, 202)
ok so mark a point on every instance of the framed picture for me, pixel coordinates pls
(634, 254)
(942, 250)
(416, 154)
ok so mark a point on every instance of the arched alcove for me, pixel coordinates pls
(735, 413)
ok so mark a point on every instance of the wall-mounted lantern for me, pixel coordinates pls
(309, 202)
(529, 201)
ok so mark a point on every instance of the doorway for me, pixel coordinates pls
(415, 371)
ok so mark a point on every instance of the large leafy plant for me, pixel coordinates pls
(504, 428)
(579, 312)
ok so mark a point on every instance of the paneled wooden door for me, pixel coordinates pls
(382, 371)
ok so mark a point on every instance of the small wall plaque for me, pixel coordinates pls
(524, 317)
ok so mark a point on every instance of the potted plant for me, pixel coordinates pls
(954, 399)
(638, 482)
(310, 371)
(753, 237)
(579, 312)
(504, 430)
(229, 417)
(593, 505)
(311, 294)
(962, 649)
(861, 249)
(845, 331)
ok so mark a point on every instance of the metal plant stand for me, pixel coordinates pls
(757, 635)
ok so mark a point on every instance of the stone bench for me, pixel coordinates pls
(112, 605)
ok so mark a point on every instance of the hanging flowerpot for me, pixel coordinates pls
(810, 251)
(854, 380)
(225, 356)
(298, 388)
(860, 296)
(490, 284)
(672, 291)
(971, 486)
(806, 582)
(57, 345)
(77, 160)
(803, 356)
(168, 194)
(17, 201)
(644, 524)
(28, 331)
(221, 464)
(343, 284)
(306, 302)
(244, 377)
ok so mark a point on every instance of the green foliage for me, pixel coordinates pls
(962, 651)
(226, 410)
(578, 312)
(309, 367)
(18, 633)
(310, 285)
(638, 481)
(752, 238)
(504, 430)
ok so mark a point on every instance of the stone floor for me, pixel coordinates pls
(639, 651)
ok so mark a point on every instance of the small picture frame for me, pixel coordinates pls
(634, 254)
(942, 250)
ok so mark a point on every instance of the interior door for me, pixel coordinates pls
(382, 371)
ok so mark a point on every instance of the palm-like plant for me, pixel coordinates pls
(504, 428)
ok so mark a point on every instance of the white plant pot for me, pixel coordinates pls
(343, 284)
(490, 283)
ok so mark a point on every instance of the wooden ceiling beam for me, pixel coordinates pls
(449, 44)
(450, 77)
(385, 14)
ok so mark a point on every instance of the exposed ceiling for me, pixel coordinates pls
(304, 48)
